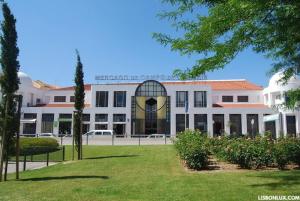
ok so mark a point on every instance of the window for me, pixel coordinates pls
(29, 128)
(227, 98)
(65, 116)
(72, 99)
(120, 99)
(101, 117)
(181, 98)
(85, 117)
(100, 126)
(101, 98)
(235, 124)
(200, 99)
(200, 122)
(252, 124)
(182, 122)
(242, 98)
(59, 99)
(47, 123)
(119, 118)
(29, 115)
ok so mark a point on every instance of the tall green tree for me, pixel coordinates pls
(9, 84)
(270, 27)
(79, 106)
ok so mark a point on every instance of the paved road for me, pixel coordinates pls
(29, 166)
(108, 140)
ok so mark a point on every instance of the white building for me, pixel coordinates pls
(213, 106)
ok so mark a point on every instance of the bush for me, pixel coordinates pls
(287, 150)
(193, 148)
(34, 146)
(247, 153)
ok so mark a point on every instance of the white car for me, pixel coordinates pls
(46, 135)
(100, 133)
(155, 136)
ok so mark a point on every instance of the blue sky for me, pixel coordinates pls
(112, 36)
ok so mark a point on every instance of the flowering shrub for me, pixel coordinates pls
(192, 148)
(257, 153)
(287, 150)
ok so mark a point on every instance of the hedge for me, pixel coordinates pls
(35, 146)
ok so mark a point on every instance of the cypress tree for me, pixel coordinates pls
(9, 84)
(79, 106)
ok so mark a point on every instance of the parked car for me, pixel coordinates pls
(46, 135)
(100, 133)
(155, 136)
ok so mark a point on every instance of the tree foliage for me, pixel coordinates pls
(79, 105)
(9, 83)
(269, 27)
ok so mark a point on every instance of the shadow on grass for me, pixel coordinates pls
(65, 178)
(117, 156)
(279, 179)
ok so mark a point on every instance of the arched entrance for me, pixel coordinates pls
(150, 109)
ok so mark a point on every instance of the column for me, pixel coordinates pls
(92, 121)
(226, 124)
(209, 125)
(55, 124)
(244, 123)
(261, 125)
(39, 122)
(191, 121)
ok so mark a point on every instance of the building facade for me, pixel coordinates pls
(217, 107)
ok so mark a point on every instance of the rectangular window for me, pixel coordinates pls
(100, 126)
(235, 124)
(29, 128)
(120, 99)
(200, 122)
(65, 116)
(181, 98)
(85, 128)
(59, 98)
(243, 99)
(72, 99)
(101, 98)
(101, 117)
(85, 117)
(119, 117)
(200, 99)
(47, 123)
(29, 115)
(227, 98)
(182, 122)
(252, 124)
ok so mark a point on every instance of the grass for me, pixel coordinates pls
(142, 173)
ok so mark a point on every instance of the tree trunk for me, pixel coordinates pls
(18, 135)
(6, 167)
(3, 141)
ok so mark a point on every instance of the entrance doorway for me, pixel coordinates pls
(271, 127)
(218, 121)
(151, 116)
(291, 126)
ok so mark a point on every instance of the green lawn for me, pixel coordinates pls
(142, 173)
